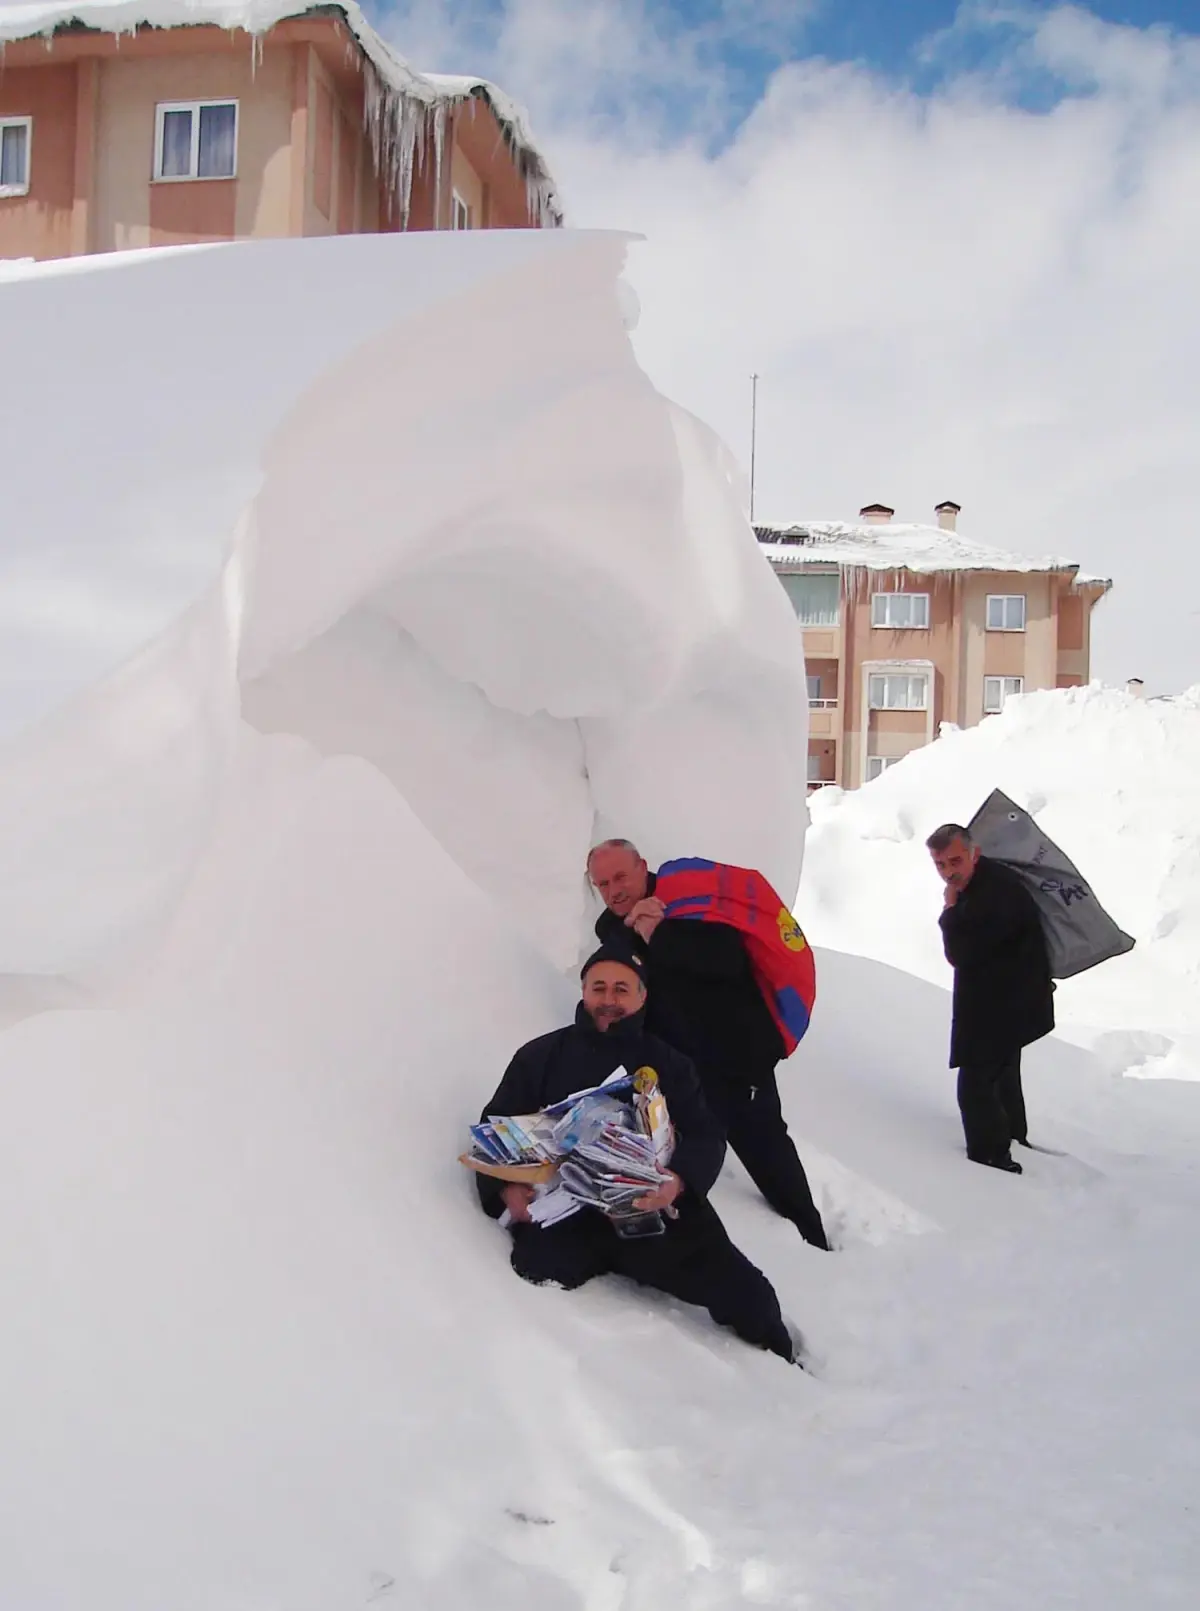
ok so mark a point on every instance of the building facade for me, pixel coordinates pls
(171, 135)
(908, 626)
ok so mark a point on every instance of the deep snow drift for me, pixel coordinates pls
(479, 594)
(1112, 778)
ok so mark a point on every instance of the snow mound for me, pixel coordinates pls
(1114, 780)
(317, 676)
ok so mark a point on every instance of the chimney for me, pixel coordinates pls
(1136, 687)
(876, 514)
(947, 515)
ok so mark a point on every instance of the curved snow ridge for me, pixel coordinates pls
(461, 508)
(1114, 779)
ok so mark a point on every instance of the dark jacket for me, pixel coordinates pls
(1003, 994)
(580, 1056)
(704, 998)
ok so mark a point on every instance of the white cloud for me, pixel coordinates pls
(946, 295)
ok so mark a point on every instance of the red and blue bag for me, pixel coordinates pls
(782, 959)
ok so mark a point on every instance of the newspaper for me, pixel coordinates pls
(612, 1144)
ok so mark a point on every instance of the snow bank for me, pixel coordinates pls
(352, 623)
(520, 578)
(1113, 779)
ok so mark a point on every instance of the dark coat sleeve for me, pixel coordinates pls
(520, 1091)
(976, 930)
(688, 945)
(699, 1141)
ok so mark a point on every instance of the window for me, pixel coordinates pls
(898, 690)
(814, 768)
(814, 598)
(1006, 612)
(196, 140)
(877, 764)
(997, 689)
(460, 213)
(814, 688)
(16, 140)
(900, 610)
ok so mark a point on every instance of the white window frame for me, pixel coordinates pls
(876, 765)
(813, 679)
(1004, 600)
(1005, 688)
(887, 677)
(882, 610)
(25, 123)
(460, 209)
(194, 177)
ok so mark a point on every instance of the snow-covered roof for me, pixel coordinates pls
(405, 109)
(897, 545)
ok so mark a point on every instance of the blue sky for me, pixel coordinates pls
(956, 241)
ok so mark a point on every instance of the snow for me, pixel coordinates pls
(1112, 778)
(896, 545)
(405, 109)
(317, 677)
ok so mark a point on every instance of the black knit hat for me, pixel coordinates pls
(611, 952)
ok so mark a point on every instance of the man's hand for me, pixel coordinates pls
(645, 916)
(950, 896)
(664, 1197)
(517, 1199)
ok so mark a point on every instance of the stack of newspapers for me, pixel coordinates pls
(603, 1148)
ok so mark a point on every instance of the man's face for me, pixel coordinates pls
(620, 878)
(610, 992)
(956, 863)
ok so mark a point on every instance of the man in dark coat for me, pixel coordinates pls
(1003, 993)
(693, 1259)
(706, 1002)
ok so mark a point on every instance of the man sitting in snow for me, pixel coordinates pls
(706, 1002)
(1003, 994)
(693, 1259)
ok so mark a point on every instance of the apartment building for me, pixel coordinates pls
(186, 127)
(907, 626)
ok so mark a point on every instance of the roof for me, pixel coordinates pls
(404, 107)
(897, 546)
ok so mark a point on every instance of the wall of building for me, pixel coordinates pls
(133, 210)
(480, 140)
(39, 224)
(469, 186)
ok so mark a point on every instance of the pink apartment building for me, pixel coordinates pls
(907, 626)
(194, 129)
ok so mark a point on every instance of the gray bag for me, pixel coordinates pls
(1079, 932)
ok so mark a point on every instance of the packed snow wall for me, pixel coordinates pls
(1114, 780)
(348, 588)
(411, 500)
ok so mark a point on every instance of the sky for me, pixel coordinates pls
(959, 244)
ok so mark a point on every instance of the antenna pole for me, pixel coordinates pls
(753, 438)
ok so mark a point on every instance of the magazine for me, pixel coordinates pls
(602, 1148)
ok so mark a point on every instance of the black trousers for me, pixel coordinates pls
(693, 1260)
(992, 1105)
(749, 1110)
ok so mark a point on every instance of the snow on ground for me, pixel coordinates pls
(1113, 779)
(294, 795)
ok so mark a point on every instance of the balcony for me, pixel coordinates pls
(822, 718)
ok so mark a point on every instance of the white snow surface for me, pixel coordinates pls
(1112, 778)
(400, 86)
(899, 545)
(317, 677)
